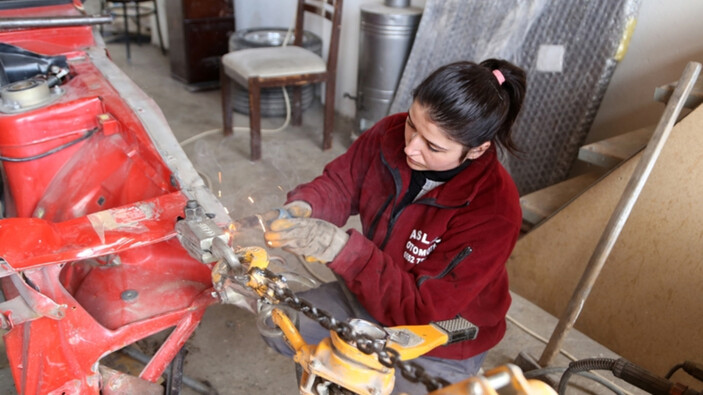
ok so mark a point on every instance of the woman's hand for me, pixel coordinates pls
(315, 239)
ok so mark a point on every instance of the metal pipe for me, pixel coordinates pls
(190, 382)
(621, 212)
(54, 21)
(174, 381)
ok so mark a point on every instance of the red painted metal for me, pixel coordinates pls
(91, 263)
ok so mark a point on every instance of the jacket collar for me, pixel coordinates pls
(457, 192)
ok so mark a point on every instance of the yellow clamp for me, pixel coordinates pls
(412, 341)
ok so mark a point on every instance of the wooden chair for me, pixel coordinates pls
(293, 65)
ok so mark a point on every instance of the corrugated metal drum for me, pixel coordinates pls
(386, 37)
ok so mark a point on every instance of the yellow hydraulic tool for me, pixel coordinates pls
(336, 362)
(235, 284)
(350, 361)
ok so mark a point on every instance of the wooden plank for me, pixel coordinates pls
(664, 92)
(610, 152)
(646, 305)
(539, 205)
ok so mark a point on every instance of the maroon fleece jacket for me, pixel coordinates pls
(441, 256)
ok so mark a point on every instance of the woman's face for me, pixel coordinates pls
(427, 147)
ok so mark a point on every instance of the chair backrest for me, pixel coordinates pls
(321, 8)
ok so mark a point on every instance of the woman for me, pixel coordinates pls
(440, 215)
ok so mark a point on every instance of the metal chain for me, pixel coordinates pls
(387, 356)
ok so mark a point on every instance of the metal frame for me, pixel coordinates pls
(90, 262)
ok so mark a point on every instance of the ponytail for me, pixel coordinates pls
(513, 86)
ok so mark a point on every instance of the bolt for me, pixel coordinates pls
(129, 295)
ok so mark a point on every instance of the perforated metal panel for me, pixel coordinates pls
(567, 48)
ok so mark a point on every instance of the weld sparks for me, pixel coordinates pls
(261, 222)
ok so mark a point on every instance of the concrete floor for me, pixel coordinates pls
(226, 350)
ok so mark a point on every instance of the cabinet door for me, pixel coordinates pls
(206, 42)
(197, 9)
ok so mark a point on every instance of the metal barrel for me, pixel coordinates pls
(386, 37)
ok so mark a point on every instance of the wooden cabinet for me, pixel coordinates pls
(198, 31)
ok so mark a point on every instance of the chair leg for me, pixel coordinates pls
(158, 27)
(126, 28)
(255, 118)
(103, 5)
(329, 114)
(139, 23)
(297, 106)
(226, 91)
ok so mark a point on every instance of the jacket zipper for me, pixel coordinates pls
(374, 223)
(430, 202)
(458, 258)
(397, 183)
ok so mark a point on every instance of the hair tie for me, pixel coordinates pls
(499, 76)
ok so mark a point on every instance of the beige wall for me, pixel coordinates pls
(668, 34)
(647, 304)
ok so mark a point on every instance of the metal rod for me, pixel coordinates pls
(621, 212)
(174, 380)
(54, 21)
(190, 382)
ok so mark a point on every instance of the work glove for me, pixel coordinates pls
(298, 209)
(315, 239)
(294, 209)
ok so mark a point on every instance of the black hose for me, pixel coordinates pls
(692, 368)
(531, 374)
(673, 370)
(51, 151)
(584, 365)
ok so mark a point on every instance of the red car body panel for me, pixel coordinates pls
(90, 262)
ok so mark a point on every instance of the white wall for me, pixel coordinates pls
(268, 13)
(668, 35)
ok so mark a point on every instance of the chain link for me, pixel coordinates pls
(387, 356)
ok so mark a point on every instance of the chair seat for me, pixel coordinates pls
(271, 62)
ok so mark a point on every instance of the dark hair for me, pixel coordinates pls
(467, 101)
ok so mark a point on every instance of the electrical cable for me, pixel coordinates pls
(563, 352)
(552, 370)
(51, 151)
(673, 370)
(695, 370)
(206, 178)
